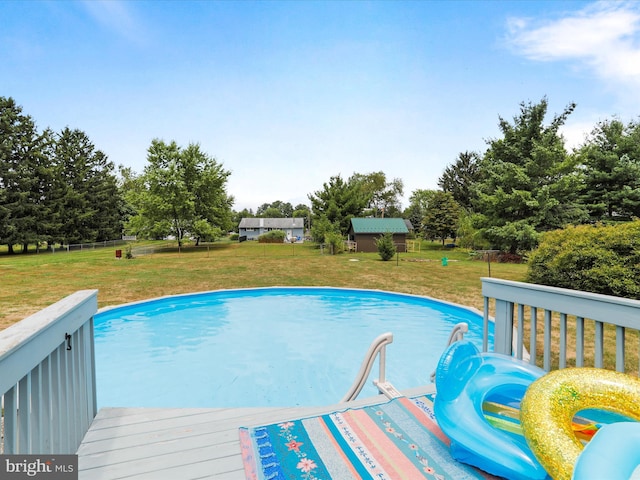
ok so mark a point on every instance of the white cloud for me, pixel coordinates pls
(576, 132)
(604, 37)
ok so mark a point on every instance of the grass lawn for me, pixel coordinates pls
(33, 281)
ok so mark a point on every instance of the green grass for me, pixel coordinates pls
(33, 281)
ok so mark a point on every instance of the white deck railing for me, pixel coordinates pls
(47, 383)
(564, 318)
(47, 362)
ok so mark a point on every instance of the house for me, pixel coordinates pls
(365, 231)
(252, 228)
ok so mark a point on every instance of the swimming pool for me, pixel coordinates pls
(277, 346)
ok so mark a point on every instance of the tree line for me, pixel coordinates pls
(524, 184)
(527, 183)
(56, 187)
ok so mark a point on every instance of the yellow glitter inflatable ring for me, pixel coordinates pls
(551, 402)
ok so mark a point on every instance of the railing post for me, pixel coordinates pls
(503, 333)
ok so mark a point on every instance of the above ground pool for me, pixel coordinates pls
(281, 346)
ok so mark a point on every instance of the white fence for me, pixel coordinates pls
(551, 315)
(47, 377)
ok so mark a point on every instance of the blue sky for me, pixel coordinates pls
(287, 94)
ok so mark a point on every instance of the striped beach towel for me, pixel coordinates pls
(395, 440)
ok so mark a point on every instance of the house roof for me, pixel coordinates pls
(378, 225)
(408, 223)
(277, 223)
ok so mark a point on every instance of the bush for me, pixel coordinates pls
(274, 236)
(320, 228)
(334, 242)
(593, 258)
(386, 247)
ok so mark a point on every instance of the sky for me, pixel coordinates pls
(287, 94)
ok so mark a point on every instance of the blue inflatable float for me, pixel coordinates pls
(612, 454)
(465, 379)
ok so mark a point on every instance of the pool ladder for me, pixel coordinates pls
(378, 347)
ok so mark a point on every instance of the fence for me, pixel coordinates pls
(245, 249)
(567, 327)
(47, 377)
(88, 246)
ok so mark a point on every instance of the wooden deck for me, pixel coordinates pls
(181, 443)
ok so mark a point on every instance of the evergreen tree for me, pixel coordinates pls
(386, 247)
(460, 178)
(20, 158)
(441, 218)
(105, 196)
(528, 181)
(610, 161)
(338, 202)
(85, 202)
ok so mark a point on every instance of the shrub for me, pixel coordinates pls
(320, 228)
(274, 236)
(593, 258)
(334, 242)
(386, 247)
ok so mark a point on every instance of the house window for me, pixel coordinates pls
(249, 229)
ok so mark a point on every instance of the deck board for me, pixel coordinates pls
(181, 443)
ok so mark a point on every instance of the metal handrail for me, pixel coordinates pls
(376, 347)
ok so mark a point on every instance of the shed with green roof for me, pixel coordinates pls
(365, 231)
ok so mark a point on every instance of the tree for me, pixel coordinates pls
(276, 209)
(321, 228)
(441, 218)
(338, 202)
(382, 198)
(610, 161)
(104, 195)
(302, 211)
(386, 247)
(44, 189)
(528, 181)
(207, 180)
(85, 202)
(181, 191)
(238, 216)
(21, 161)
(459, 178)
(271, 212)
(419, 203)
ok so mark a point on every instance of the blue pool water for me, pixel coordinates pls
(266, 347)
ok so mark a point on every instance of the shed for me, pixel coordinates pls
(365, 231)
(252, 228)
